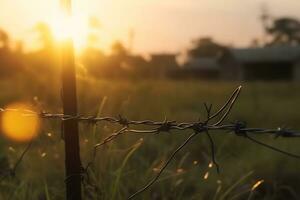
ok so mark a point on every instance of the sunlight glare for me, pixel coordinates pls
(73, 27)
(18, 126)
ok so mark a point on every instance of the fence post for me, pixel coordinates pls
(70, 127)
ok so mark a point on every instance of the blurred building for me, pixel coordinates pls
(262, 63)
(163, 65)
(202, 67)
(281, 63)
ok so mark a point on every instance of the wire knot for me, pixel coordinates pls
(282, 132)
(165, 127)
(92, 120)
(123, 121)
(238, 128)
(199, 127)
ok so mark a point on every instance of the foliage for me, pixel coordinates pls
(284, 31)
(206, 47)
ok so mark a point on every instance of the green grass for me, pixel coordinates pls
(125, 165)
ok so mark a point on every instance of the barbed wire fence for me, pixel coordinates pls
(212, 122)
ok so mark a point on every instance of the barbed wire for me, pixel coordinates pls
(12, 172)
(212, 122)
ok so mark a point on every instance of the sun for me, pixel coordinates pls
(74, 27)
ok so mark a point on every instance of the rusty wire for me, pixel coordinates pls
(212, 122)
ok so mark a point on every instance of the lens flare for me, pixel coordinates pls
(73, 27)
(18, 124)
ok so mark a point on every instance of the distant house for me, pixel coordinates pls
(201, 67)
(163, 65)
(264, 63)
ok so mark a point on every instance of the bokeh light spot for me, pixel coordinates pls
(258, 183)
(17, 124)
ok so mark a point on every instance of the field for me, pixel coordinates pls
(126, 164)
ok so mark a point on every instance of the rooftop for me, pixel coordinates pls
(283, 53)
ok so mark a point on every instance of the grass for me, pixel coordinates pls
(125, 165)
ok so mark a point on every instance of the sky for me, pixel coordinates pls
(158, 25)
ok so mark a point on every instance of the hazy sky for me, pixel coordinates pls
(159, 25)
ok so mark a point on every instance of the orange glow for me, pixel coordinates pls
(75, 27)
(18, 124)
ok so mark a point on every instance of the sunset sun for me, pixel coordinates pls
(74, 27)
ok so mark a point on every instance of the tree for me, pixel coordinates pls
(4, 39)
(119, 50)
(284, 31)
(205, 47)
(11, 62)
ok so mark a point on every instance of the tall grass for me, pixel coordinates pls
(125, 165)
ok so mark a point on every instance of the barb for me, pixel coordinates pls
(230, 101)
(148, 185)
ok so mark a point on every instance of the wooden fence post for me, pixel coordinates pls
(70, 127)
